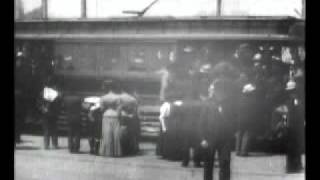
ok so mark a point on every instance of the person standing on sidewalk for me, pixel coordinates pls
(189, 122)
(20, 92)
(218, 121)
(249, 108)
(296, 119)
(50, 108)
(174, 87)
(94, 127)
(72, 105)
(110, 105)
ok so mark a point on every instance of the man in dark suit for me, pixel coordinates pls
(22, 90)
(20, 97)
(188, 122)
(94, 129)
(218, 123)
(50, 108)
(296, 120)
(250, 105)
(72, 105)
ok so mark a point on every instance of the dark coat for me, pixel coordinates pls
(214, 127)
(188, 119)
(219, 115)
(72, 106)
(50, 109)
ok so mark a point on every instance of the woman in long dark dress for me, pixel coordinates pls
(130, 124)
(175, 86)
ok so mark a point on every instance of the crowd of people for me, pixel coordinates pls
(245, 97)
(113, 124)
(205, 107)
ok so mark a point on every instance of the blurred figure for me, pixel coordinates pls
(218, 120)
(72, 105)
(130, 124)
(175, 86)
(23, 74)
(111, 132)
(163, 118)
(295, 132)
(189, 113)
(94, 126)
(21, 99)
(248, 108)
(296, 119)
(110, 144)
(278, 134)
(188, 120)
(50, 108)
(275, 90)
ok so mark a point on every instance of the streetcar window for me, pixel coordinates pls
(71, 8)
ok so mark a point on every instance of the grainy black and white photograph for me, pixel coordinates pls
(159, 89)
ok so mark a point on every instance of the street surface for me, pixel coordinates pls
(32, 162)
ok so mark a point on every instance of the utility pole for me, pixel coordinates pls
(83, 8)
(219, 2)
(45, 9)
(303, 9)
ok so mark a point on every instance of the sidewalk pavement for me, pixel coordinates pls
(33, 162)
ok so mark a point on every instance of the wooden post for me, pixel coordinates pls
(45, 9)
(83, 8)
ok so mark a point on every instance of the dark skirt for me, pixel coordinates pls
(130, 136)
(171, 140)
(160, 143)
(249, 113)
(182, 127)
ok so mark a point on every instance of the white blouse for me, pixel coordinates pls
(164, 113)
